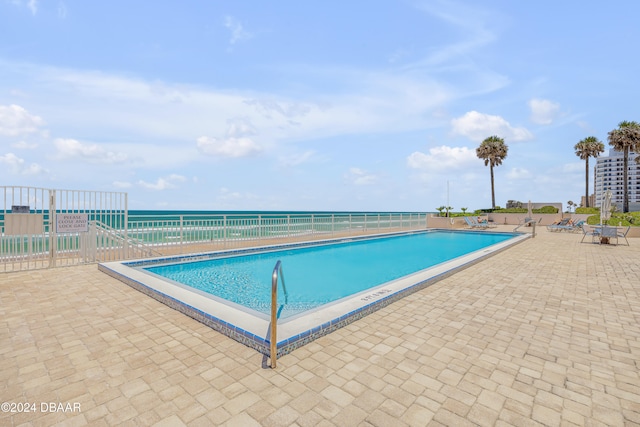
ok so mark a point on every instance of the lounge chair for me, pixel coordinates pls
(484, 222)
(473, 223)
(623, 233)
(557, 226)
(571, 227)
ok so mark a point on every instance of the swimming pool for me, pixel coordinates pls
(321, 274)
(330, 283)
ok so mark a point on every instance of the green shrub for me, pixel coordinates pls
(617, 219)
(591, 211)
(511, 210)
(546, 210)
(542, 210)
(593, 219)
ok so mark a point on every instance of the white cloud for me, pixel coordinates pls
(228, 147)
(238, 33)
(398, 55)
(163, 183)
(478, 126)
(519, 173)
(121, 184)
(62, 10)
(240, 127)
(34, 169)
(230, 199)
(226, 194)
(16, 165)
(585, 126)
(442, 159)
(376, 101)
(575, 167)
(235, 144)
(543, 111)
(13, 162)
(475, 22)
(297, 159)
(359, 176)
(71, 148)
(15, 120)
(31, 4)
(24, 145)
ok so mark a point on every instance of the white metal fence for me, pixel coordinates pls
(235, 230)
(43, 228)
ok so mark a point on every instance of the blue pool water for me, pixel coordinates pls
(317, 275)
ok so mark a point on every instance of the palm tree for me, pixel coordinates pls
(492, 150)
(588, 147)
(626, 138)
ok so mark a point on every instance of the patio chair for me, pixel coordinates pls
(623, 234)
(527, 222)
(608, 234)
(589, 230)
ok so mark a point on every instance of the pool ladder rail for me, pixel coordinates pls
(277, 272)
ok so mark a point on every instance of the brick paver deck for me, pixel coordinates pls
(546, 333)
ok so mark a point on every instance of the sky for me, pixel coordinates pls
(312, 105)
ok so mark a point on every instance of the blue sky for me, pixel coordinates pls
(323, 105)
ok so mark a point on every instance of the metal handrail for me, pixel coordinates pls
(123, 238)
(277, 271)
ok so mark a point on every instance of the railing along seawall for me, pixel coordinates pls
(35, 240)
(236, 230)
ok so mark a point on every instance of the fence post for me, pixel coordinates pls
(224, 231)
(181, 232)
(53, 238)
(126, 226)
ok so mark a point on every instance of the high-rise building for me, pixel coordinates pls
(592, 200)
(609, 176)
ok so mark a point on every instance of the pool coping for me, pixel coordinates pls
(295, 332)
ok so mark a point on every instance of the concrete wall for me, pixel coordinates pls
(512, 219)
(517, 218)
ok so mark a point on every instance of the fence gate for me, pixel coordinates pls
(43, 228)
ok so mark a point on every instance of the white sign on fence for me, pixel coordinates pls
(72, 223)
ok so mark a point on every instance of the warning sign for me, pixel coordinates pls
(72, 223)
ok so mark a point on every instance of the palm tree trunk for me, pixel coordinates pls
(586, 199)
(625, 165)
(493, 193)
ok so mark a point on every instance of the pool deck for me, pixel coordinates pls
(545, 333)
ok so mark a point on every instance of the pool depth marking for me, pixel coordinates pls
(250, 329)
(375, 294)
